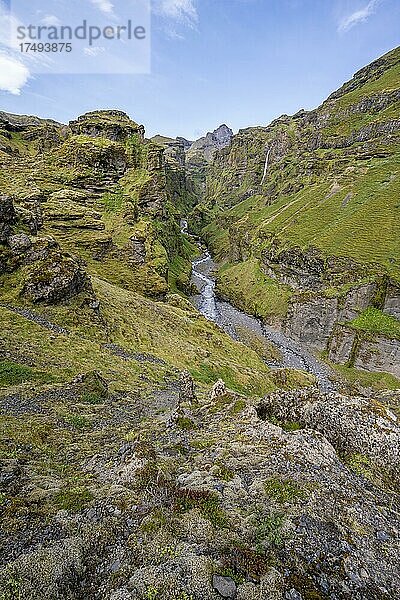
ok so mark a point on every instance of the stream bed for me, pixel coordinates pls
(226, 316)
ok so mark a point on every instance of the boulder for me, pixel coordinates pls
(225, 586)
(350, 424)
(7, 217)
(56, 279)
(19, 243)
(218, 389)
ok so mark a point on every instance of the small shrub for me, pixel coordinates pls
(147, 475)
(157, 520)
(244, 562)
(207, 502)
(185, 423)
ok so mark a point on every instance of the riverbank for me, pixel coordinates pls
(288, 353)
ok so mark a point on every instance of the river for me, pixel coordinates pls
(226, 316)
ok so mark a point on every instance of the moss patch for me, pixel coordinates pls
(375, 321)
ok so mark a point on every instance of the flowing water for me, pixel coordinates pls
(230, 319)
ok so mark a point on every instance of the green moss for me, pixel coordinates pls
(152, 593)
(237, 577)
(186, 423)
(224, 473)
(268, 530)
(73, 499)
(360, 464)
(12, 373)
(375, 321)
(282, 491)
(291, 426)
(112, 201)
(286, 425)
(92, 398)
(77, 421)
(11, 589)
(237, 407)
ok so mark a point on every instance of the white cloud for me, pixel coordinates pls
(105, 6)
(359, 16)
(183, 11)
(13, 74)
(51, 20)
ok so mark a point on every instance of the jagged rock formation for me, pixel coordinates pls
(305, 229)
(210, 143)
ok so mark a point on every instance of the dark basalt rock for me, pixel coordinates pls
(7, 217)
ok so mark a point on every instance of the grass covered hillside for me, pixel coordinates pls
(331, 182)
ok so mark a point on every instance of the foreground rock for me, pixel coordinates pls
(234, 507)
(351, 424)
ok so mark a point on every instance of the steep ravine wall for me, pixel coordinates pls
(322, 324)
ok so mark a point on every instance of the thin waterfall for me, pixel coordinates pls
(266, 164)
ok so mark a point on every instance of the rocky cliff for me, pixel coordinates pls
(312, 201)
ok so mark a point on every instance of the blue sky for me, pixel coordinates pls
(242, 62)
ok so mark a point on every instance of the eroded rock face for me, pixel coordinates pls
(364, 351)
(7, 217)
(379, 354)
(392, 300)
(136, 251)
(112, 124)
(312, 322)
(55, 279)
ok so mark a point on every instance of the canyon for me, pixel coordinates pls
(199, 355)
